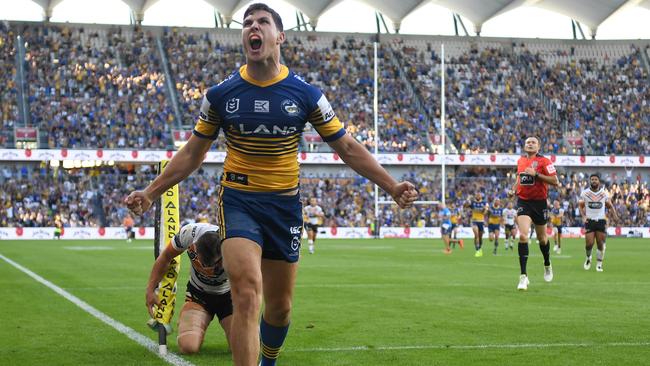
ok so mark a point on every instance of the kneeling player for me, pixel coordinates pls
(592, 203)
(208, 290)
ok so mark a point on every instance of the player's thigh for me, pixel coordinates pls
(242, 260)
(279, 281)
(589, 238)
(601, 236)
(192, 323)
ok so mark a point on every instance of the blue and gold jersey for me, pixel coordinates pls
(495, 215)
(455, 216)
(478, 210)
(262, 123)
(556, 216)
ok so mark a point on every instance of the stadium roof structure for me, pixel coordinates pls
(588, 12)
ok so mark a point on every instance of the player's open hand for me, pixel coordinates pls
(151, 300)
(138, 202)
(404, 193)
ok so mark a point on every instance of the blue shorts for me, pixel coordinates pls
(479, 224)
(494, 227)
(445, 228)
(272, 220)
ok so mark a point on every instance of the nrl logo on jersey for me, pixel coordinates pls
(263, 129)
(232, 105)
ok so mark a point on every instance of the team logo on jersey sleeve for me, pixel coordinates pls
(290, 108)
(232, 105)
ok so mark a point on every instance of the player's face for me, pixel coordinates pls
(531, 145)
(509, 204)
(260, 36)
(312, 201)
(556, 204)
(594, 182)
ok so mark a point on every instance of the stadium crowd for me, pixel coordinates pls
(33, 196)
(94, 86)
(8, 93)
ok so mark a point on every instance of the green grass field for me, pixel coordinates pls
(358, 302)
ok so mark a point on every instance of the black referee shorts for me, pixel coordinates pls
(537, 210)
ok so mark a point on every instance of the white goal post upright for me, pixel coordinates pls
(442, 122)
(375, 107)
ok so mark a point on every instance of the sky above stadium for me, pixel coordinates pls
(349, 16)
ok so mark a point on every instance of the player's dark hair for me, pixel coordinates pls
(259, 6)
(595, 175)
(208, 247)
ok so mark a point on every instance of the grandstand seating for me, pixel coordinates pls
(98, 86)
(8, 93)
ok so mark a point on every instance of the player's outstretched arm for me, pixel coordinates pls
(186, 160)
(157, 272)
(358, 158)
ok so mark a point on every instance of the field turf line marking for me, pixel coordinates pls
(469, 346)
(127, 331)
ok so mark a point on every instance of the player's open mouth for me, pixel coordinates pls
(255, 42)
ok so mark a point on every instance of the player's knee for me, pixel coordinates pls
(189, 344)
(278, 312)
(247, 299)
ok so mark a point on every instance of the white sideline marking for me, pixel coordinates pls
(127, 331)
(470, 346)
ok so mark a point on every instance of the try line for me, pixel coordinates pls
(127, 331)
(469, 346)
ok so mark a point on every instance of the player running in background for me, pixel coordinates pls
(495, 219)
(455, 221)
(444, 216)
(592, 204)
(509, 217)
(315, 217)
(479, 208)
(128, 224)
(557, 221)
(208, 290)
(58, 227)
(534, 173)
(262, 108)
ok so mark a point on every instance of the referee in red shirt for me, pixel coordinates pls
(534, 174)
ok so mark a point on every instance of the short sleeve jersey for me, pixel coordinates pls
(495, 214)
(262, 123)
(478, 210)
(529, 187)
(212, 280)
(314, 214)
(595, 203)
